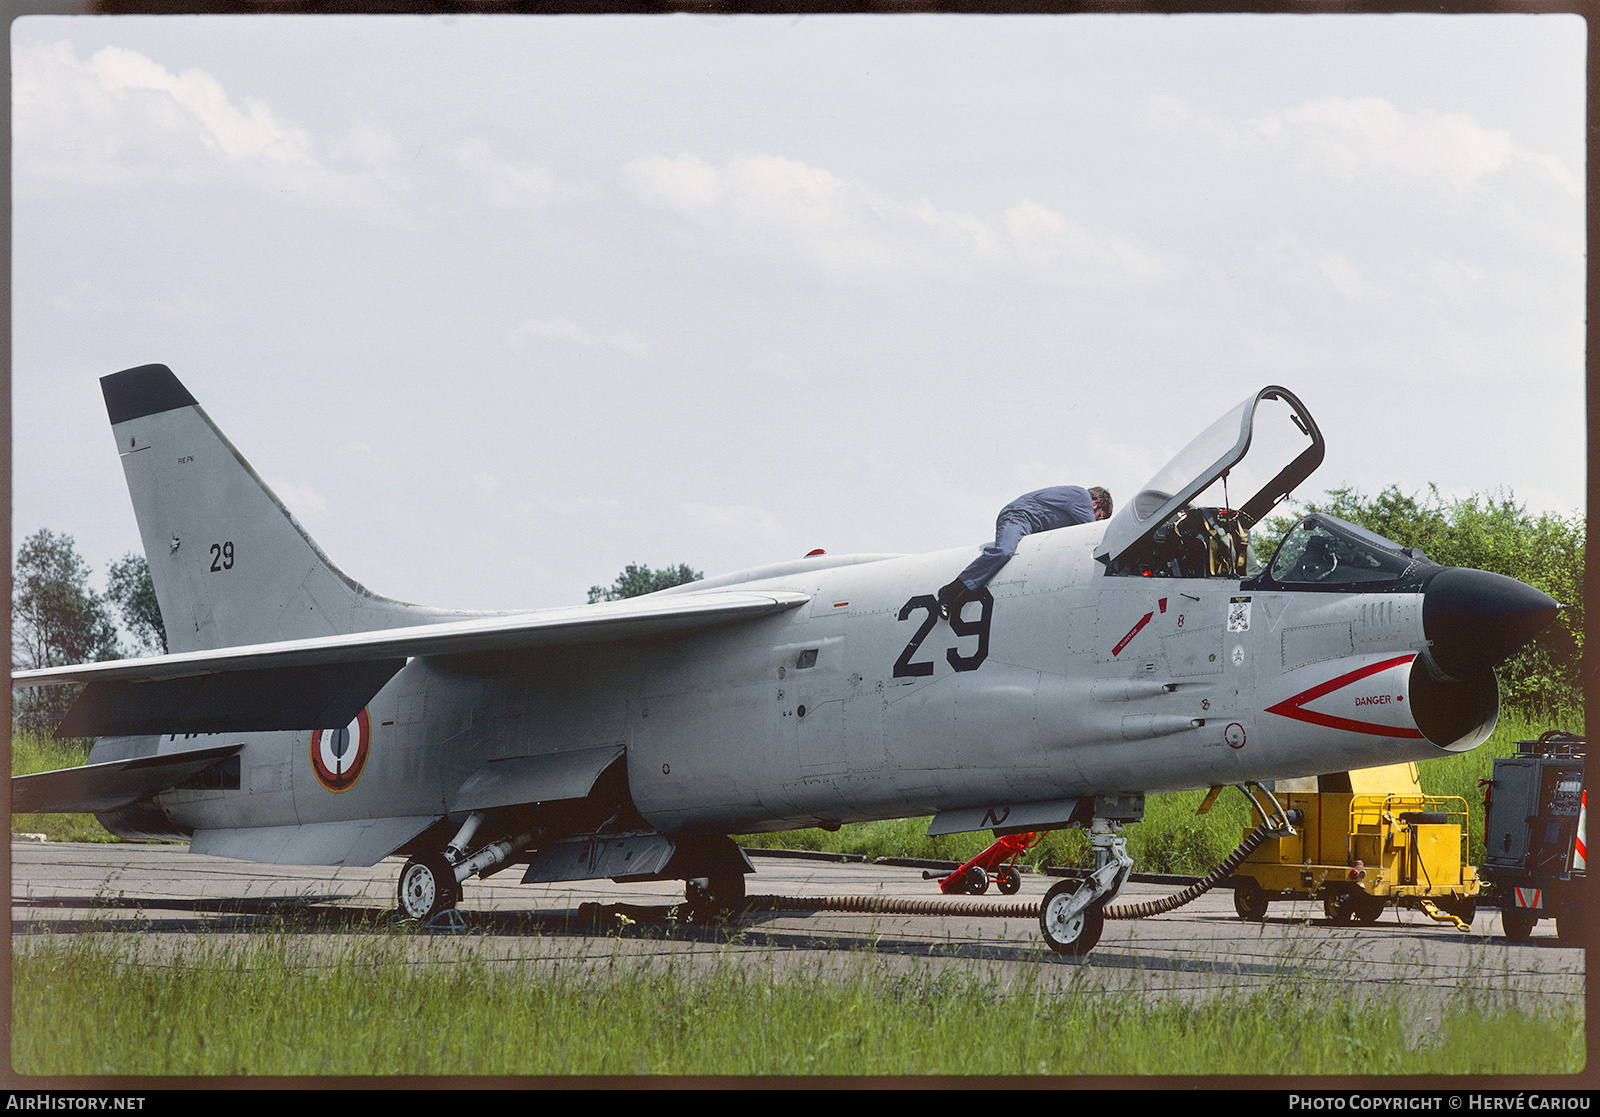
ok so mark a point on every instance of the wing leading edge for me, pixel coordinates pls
(326, 681)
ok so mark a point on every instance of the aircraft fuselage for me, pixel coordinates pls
(1060, 682)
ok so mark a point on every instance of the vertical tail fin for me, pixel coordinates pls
(229, 562)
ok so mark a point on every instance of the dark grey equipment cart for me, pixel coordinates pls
(1534, 832)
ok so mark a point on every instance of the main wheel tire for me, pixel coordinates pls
(427, 887)
(1517, 923)
(713, 899)
(1250, 901)
(1074, 936)
(1009, 880)
(977, 881)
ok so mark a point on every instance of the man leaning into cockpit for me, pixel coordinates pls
(1041, 510)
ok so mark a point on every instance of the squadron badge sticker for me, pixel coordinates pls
(338, 755)
(1238, 614)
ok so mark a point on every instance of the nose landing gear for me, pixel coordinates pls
(1072, 914)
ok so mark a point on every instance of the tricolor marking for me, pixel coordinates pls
(339, 755)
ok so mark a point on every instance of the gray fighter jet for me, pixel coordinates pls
(301, 718)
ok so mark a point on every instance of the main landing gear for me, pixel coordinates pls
(1072, 914)
(428, 886)
(430, 883)
(714, 899)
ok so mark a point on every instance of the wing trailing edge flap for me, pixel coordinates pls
(364, 841)
(546, 778)
(97, 788)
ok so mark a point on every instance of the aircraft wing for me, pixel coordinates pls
(325, 681)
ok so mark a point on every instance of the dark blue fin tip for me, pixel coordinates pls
(147, 390)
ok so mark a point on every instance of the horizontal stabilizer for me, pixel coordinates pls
(95, 788)
(237, 702)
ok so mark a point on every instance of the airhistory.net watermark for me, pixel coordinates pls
(24, 1100)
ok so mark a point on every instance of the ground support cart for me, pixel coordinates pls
(1370, 838)
(995, 862)
(1534, 807)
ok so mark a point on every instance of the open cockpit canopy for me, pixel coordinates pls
(1194, 516)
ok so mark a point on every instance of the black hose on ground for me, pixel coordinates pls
(1221, 873)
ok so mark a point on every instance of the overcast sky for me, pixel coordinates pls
(498, 305)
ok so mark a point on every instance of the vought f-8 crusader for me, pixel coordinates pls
(301, 718)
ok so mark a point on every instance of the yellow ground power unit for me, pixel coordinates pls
(1370, 838)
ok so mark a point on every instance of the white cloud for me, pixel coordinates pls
(1344, 277)
(121, 122)
(768, 203)
(505, 183)
(1046, 239)
(303, 501)
(1347, 137)
(360, 459)
(738, 522)
(87, 298)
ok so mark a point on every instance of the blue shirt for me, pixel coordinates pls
(1047, 509)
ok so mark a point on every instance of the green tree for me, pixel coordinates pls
(129, 586)
(1492, 533)
(636, 580)
(56, 619)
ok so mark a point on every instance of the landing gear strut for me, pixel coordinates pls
(431, 882)
(1071, 916)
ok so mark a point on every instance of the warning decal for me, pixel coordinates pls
(1337, 703)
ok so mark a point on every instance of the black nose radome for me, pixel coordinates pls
(1474, 619)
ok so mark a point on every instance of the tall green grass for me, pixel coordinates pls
(397, 1004)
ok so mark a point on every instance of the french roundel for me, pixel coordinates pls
(338, 755)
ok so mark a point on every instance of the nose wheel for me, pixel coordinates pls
(428, 886)
(1072, 914)
(1073, 933)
